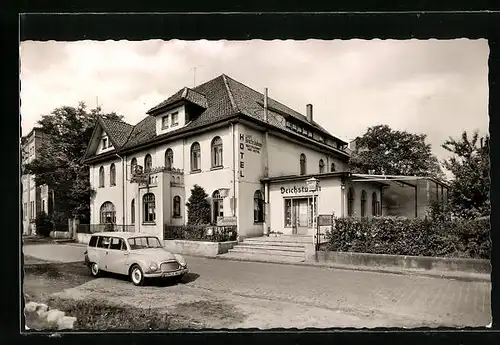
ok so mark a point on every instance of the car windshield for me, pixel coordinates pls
(144, 242)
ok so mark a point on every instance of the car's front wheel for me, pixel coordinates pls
(94, 270)
(136, 275)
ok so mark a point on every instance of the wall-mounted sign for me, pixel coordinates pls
(226, 221)
(296, 190)
(247, 143)
(252, 145)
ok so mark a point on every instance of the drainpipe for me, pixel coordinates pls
(123, 190)
(266, 166)
(234, 171)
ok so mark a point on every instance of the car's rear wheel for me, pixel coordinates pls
(94, 270)
(136, 275)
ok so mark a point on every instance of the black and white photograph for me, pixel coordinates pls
(255, 184)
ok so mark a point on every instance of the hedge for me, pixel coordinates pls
(459, 238)
(200, 233)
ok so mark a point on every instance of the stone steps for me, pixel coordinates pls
(266, 251)
(260, 258)
(278, 246)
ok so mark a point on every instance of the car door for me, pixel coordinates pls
(116, 257)
(101, 252)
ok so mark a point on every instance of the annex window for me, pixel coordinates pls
(164, 122)
(321, 166)
(258, 207)
(332, 167)
(363, 204)
(176, 206)
(175, 119)
(148, 201)
(302, 164)
(375, 205)
(101, 177)
(195, 157)
(350, 202)
(133, 165)
(148, 163)
(132, 211)
(112, 175)
(107, 213)
(169, 159)
(216, 152)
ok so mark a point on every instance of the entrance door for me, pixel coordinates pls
(300, 216)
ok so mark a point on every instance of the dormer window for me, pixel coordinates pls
(104, 143)
(164, 122)
(175, 119)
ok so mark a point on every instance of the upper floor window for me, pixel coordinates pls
(169, 159)
(101, 177)
(258, 207)
(217, 152)
(148, 163)
(350, 202)
(175, 119)
(321, 166)
(177, 206)
(363, 204)
(332, 167)
(164, 122)
(112, 175)
(195, 157)
(148, 201)
(302, 164)
(133, 165)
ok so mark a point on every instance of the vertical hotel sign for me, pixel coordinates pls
(247, 143)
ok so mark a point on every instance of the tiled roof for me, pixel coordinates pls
(221, 98)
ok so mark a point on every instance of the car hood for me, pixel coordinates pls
(158, 254)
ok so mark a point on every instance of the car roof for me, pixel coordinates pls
(123, 234)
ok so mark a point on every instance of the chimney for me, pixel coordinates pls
(309, 108)
(265, 104)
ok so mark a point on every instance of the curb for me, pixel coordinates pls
(461, 276)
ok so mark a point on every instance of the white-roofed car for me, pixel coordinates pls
(139, 256)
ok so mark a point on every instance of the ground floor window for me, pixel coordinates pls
(132, 211)
(375, 205)
(177, 206)
(107, 213)
(217, 206)
(148, 201)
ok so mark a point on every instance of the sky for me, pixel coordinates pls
(435, 87)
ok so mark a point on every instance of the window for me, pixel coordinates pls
(175, 119)
(144, 242)
(43, 206)
(132, 211)
(288, 212)
(363, 204)
(112, 175)
(117, 244)
(101, 177)
(164, 122)
(332, 167)
(148, 163)
(148, 201)
(133, 165)
(321, 166)
(302, 164)
(258, 207)
(169, 159)
(350, 202)
(216, 152)
(107, 213)
(104, 143)
(177, 206)
(93, 241)
(217, 206)
(32, 210)
(375, 204)
(195, 157)
(103, 242)
(25, 211)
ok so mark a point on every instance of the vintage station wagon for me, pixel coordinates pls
(137, 255)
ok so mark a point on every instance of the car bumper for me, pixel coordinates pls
(166, 274)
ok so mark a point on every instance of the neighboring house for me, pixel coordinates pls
(34, 199)
(244, 148)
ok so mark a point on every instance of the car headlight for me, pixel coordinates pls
(180, 260)
(153, 267)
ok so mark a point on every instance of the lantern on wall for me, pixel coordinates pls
(312, 184)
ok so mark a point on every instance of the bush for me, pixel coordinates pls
(200, 233)
(416, 237)
(43, 224)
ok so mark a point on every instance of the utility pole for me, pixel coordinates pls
(194, 76)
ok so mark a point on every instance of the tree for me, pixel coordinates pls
(470, 165)
(391, 152)
(58, 164)
(198, 206)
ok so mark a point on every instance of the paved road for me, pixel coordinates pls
(307, 293)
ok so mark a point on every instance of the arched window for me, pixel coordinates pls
(216, 152)
(217, 206)
(148, 163)
(101, 177)
(107, 213)
(321, 166)
(302, 164)
(132, 211)
(149, 212)
(363, 204)
(332, 167)
(350, 202)
(375, 204)
(195, 157)
(112, 175)
(169, 159)
(177, 206)
(258, 207)
(133, 164)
